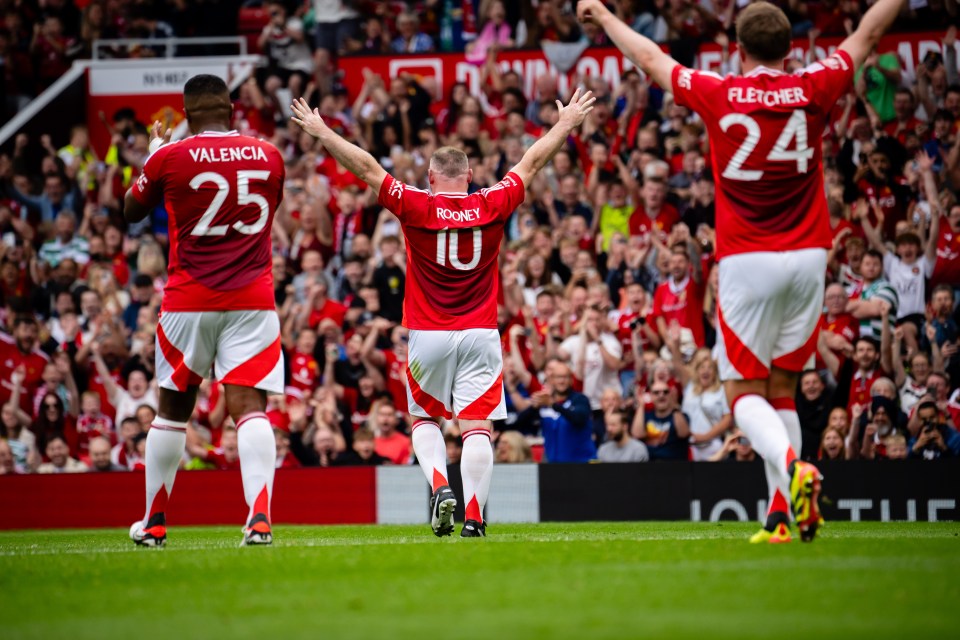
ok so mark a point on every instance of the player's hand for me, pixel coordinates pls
(576, 111)
(590, 11)
(159, 136)
(310, 121)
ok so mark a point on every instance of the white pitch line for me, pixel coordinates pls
(38, 550)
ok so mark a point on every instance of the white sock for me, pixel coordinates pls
(166, 440)
(431, 452)
(762, 424)
(476, 467)
(787, 410)
(258, 454)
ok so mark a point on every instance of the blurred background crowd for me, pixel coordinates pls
(608, 281)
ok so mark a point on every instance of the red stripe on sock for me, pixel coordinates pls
(419, 423)
(791, 456)
(474, 432)
(778, 504)
(783, 404)
(262, 503)
(473, 510)
(251, 416)
(164, 427)
(733, 406)
(159, 502)
(438, 480)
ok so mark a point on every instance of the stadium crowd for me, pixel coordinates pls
(608, 291)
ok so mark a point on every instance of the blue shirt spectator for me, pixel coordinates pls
(564, 419)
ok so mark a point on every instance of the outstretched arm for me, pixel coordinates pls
(642, 51)
(571, 117)
(874, 24)
(356, 160)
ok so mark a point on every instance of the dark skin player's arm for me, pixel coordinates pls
(133, 211)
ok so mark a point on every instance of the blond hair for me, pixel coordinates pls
(449, 162)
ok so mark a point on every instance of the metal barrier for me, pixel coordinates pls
(169, 46)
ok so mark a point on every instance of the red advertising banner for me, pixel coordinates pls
(442, 70)
(344, 495)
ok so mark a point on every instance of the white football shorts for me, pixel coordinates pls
(242, 347)
(769, 308)
(456, 373)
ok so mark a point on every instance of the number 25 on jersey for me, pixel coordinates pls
(205, 226)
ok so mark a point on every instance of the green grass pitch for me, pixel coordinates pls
(584, 580)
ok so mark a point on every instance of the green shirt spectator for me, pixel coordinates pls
(879, 78)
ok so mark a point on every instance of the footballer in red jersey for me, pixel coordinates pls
(220, 190)
(454, 361)
(773, 228)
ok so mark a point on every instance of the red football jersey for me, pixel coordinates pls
(33, 364)
(947, 267)
(765, 129)
(304, 372)
(453, 240)
(220, 191)
(681, 304)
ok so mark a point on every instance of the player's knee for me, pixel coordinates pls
(243, 400)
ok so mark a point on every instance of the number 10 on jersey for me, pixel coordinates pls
(448, 244)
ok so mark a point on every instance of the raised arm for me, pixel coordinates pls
(874, 24)
(642, 51)
(356, 160)
(133, 210)
(571, 117)
(929, 182)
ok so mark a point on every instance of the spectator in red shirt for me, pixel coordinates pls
(840, 329)
(390, 443)
(866, 356)
(21, 352)
(304, 370)
(92, 423)
(654, 214)
(226, 457)
(947, 267)
(679, 300)
(905, 122)
(285, 457)
(319, 307)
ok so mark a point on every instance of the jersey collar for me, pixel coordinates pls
(764, 71)
(217, 134)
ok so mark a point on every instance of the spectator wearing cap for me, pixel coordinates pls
(65, 243)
